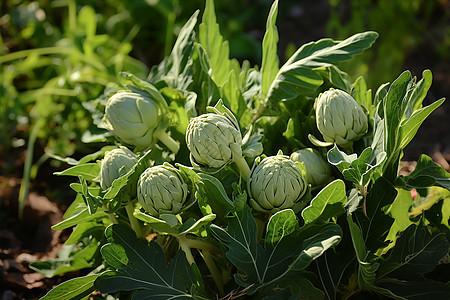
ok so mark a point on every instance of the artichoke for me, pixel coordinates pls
(318, 171)
(339, 118)
(138, 120)
(161, 189)
(115, 164)
(214, 140)
(275, 183)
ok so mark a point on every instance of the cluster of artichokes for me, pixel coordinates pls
(214, 140)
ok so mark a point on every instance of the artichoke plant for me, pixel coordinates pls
(214, 140)
(115, 164)
(318, 171)
(138, 120)
(275, 183)
(162, 189)
(339, 118)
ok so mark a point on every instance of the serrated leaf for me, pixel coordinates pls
(328, 203)
(269, 266)
(176, 70)
(76, 288)
(194, 228)
(298, 74)
(217, 49)
(270, 62)
(416, 252)
(143, 267)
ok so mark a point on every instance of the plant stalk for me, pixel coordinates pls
(182, 241)
(216, 275)
(243, 167)
(133, 221)
(167, 140)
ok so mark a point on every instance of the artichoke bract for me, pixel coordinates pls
(214, 140)
(137, 120)
(161, 189)
(275, 183)
(318, 171)
(339, 118)
(115, 164)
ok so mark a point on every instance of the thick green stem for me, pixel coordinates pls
(201, 245)
(216, 275)
(184, 246)
(133, 221)
(167, 140)
(111, 217)
(243, 167)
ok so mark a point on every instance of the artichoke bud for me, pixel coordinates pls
(115, 164)
(275, 183)
(162, 189)
(318, 171)
(339, 118)
(133, 118)
(213, 140)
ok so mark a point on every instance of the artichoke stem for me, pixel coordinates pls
(111, 216)
(216, 275)
(184, 246)
(167, 140)
(133, 221)
(242, 166)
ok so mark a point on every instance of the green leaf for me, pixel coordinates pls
(156, 224)
(78, 217)
(89, 171)
(328, 203)
(143, 267)
(416, 252)
(175, 70)
(356, 169)
(280, 224)
(217, 49)
(76, 288)
(269, 267)
(427, 168)
(71, 258)
(410, 127)
(366, 270)
(85, 159)
(298, 74)
(194, 228)
(270, 62)
(362, 95)
(376, 223)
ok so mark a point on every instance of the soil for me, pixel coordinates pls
(30, 238)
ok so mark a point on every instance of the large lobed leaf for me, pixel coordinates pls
(143, 268)
(300, 74)
(288, 255)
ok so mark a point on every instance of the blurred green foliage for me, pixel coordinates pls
(404, 27)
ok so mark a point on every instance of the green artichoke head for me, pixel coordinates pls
(115, 164)
(213, 140)
(162, 189)
(318, 171)
(339, 118)
(133, 118)
(275, 183)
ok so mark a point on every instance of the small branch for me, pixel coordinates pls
(216, 275)
(111, 217)
(243, 167)
(133, 221)
(182, 241)
(167, 140)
